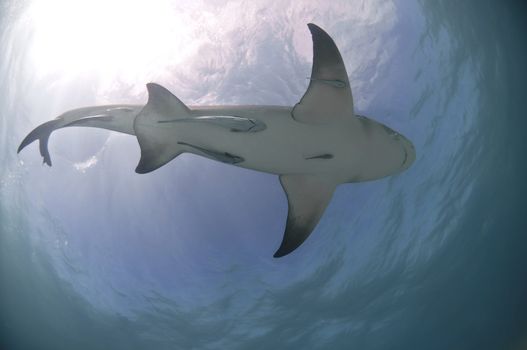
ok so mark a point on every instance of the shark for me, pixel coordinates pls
(313, 146)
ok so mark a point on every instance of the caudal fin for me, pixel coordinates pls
(111, 117)
(41, 133)
(155, 136)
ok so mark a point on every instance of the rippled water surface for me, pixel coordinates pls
(95, 256)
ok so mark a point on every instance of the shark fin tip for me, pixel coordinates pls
(140, 169)
(283, 251)
(278, 254)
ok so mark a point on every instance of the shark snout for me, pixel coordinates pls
(408, 152)
(408, 149)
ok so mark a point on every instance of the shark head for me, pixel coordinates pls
(409, 152)
(389, 152)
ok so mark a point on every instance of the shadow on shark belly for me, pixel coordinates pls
(325, 143)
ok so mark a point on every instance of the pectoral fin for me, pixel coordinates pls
(328, 96)
(308, 197)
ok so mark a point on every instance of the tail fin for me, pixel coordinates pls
(157, 140)
(41, 133)
(111, 117)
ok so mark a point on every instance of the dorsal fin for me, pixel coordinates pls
(328, 96)
(157, 141)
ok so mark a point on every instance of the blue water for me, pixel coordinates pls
(94, 256)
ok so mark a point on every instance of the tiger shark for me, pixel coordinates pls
(313, 146)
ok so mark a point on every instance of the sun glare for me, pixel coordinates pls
(106, 37)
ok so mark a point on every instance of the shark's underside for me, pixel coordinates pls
(314, 146)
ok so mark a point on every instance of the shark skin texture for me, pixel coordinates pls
(313, 146)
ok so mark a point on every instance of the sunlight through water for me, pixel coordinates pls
(109, 38)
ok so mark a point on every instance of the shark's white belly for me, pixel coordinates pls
(344, 151)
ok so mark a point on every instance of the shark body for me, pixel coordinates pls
(313, 146)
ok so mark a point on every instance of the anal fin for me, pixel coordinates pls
(307, 197)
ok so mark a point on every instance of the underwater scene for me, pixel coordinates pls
(94, 255)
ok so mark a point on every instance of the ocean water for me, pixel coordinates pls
(94, 256)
